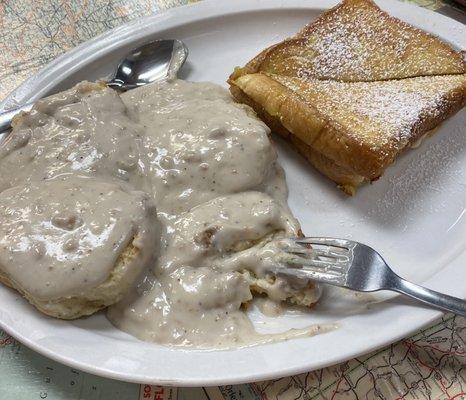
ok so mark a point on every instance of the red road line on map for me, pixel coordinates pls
(6, 341)
(338, 385)
(436, 370)
(456, 353)
(427, 366)
(449, 398)
(261, 393)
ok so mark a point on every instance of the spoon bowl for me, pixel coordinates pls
(160, 59)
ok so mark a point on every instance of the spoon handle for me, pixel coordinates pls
(6, 117)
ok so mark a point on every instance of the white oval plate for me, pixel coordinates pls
(415, 214)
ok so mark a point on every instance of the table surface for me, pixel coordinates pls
(429, 365)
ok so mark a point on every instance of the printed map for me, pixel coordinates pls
(430, 365)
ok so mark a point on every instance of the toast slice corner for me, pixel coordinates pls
(376, 47)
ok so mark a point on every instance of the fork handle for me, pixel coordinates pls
(431, 297)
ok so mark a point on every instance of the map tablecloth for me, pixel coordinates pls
(430, 365)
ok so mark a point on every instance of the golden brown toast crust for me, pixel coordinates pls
(347, 181)
(361, 126)
(357, 41)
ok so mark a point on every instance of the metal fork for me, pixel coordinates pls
(354, 266)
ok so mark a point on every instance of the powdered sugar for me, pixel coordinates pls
(344, 44)
(386, 113)
(357, 41)
(400, 105)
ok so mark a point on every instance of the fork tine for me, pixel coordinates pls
(323, 257)
(341, 243)
(330, 253)
(318, 252)
(309, 261)
(299, 250)
(327, 261)
(320, 258)
(311, 274)
(318, 265)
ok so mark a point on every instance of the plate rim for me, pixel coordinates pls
(168, 19)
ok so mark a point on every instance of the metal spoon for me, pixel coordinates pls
(160, 59)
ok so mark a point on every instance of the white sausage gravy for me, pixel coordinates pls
(179, 154)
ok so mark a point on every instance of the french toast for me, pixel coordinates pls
(377, 47)
(351, 114)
